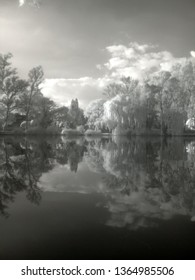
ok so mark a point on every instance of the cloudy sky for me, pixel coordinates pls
(83, 44)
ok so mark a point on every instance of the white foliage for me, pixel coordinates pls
(94, 113)
(116, 111)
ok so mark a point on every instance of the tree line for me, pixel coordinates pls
(23, 106)
(23, 161)
(157, 173)
(161, 103)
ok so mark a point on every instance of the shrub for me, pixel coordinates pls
(35, 130)
(53, 130)
(18, 130)
(81, 129)
(93, 132)
(71, 132)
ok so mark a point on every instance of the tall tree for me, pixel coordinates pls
(76, 114)
(161, 84)
(184, 72)
(94, 113)
(61, 117)
(35, 78)
(45, 112)
(11, 87)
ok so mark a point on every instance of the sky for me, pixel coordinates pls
(84, 44)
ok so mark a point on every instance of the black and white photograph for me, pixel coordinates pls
(97, 129)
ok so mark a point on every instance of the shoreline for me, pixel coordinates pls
(9, 133)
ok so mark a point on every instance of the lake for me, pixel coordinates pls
(90, 198)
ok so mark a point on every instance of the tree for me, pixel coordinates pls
(124, 109)
(11, 87)
(165, 88)
(35, 78)
(151, 107)
(112, 90)
(94, 113)
(76, 114)
(61, 117)
(6, 70)
(125, 86)
(45, 112)
(184, 72)
(116, 113)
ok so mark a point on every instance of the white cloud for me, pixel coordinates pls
(99, 66)
(86, 89)
(192, 53)
(22, 2)
(137, 60)
(134, 60)
(34, 3)
(62, 179)
(116, 62)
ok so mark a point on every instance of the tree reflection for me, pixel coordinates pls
(70, 152)
(23, 161)
(22, 164)
(146, 179)
(10, 182)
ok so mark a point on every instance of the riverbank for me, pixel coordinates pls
(91, 133)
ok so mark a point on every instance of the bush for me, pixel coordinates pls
(81, 129)
(53, 130)
(93, 132)
(35, 130)
(71, 132)
(18, 130)
(120, 131)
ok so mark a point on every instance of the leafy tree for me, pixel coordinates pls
(61, 117)
(165, 88)
(45, 112)
(76, 114)
(115, 113)
(94, 113)
(184, 72)
(151, 107)
(125, 110)
(28, 99)
(112, 90)
(11, 87)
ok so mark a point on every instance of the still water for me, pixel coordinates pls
(90, 198)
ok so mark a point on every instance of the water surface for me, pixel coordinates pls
(90, 198)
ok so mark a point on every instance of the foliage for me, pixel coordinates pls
(45, 108)
(28, 101)
(71, 132)
(163, 102)
(94, 114)
(11, 87)
(93, 132)
(76, 115)
(160, 104)
(124, 111)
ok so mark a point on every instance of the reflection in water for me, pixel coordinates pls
(142, 180)
(146, 180)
